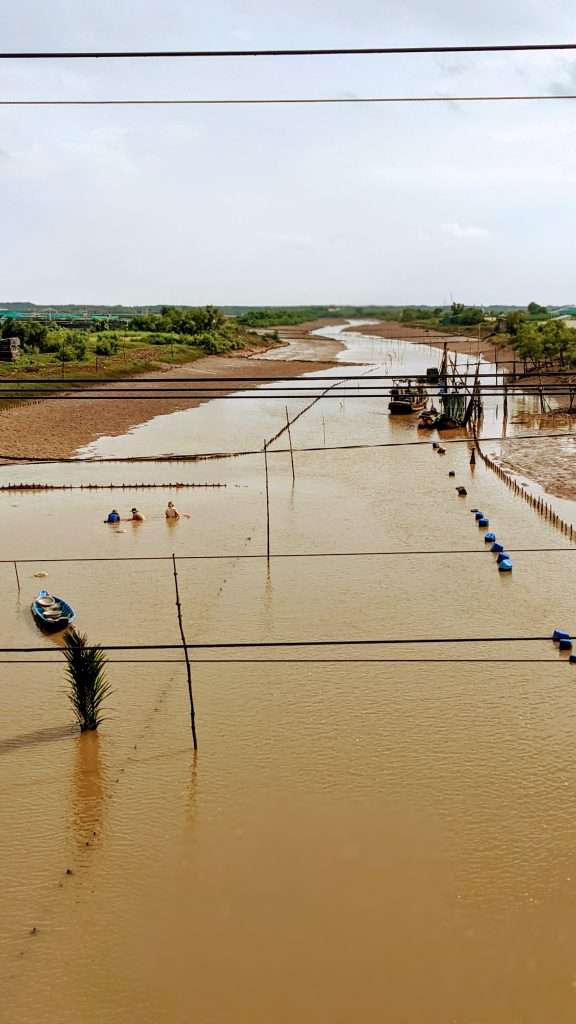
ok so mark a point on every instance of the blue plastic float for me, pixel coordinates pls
(489, 537)
(561, 634)
(483, 522)
(565, 644)
(496, 548)
(503, 557)
(479, 515)
(505, 565)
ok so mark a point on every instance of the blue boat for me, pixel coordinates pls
(51, 612)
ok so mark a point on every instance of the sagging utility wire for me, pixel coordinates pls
(201, 456)
(355, 51)
(292, 101)
(266, 644)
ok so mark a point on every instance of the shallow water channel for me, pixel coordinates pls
(388, 838)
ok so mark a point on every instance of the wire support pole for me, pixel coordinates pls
(267, 501)
(186, 657)
(290, 443)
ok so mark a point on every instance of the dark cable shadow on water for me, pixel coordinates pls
(51, 734)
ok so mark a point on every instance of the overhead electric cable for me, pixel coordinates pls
(206, 456)
(303, 661)
(300, 52)
(234, 556)
(261, 644)
(532, 376)
(290, 101)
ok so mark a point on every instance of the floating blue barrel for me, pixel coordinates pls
(496, 548)
(483, 522)
(489, 537)
(572, 659)
(565, 644)
(561, 634)
(479, 515)
(505, 565)
(503, 557)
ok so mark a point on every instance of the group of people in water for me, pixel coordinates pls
(171, 512)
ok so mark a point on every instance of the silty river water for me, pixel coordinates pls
(389, 838)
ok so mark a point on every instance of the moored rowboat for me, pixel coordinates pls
(52, 613)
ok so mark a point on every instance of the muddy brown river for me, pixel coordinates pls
(388, 838)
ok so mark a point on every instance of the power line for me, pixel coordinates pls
(202, 456)
(282, 555)
(279, 378)
(551, 391)
(266, 644)
(307, 52)
(303, 661)
(292, 101)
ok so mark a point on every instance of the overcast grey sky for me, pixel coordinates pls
(287, 204)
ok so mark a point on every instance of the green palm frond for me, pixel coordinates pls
(86, 674)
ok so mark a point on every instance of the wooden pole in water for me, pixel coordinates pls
(290, 442)
(267, 502)
(17, 576)
(186, 658)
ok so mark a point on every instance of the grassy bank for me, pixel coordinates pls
(60, 354)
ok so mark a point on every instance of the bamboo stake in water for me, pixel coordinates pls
(267, 501)
(186, 658)
(290, 442)
(17, 576)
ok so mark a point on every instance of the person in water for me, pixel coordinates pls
(137, 516)
(113, 516)
(172, 512)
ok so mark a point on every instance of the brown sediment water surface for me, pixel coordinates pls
(391, 839)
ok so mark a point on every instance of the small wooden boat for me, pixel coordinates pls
(52, 613)
(406, 397)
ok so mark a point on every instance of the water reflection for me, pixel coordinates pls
(87, 797)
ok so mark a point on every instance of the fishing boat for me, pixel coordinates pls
(51, 612)
(407, 397)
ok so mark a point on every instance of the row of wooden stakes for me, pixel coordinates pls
(537, 503)
(99, 487)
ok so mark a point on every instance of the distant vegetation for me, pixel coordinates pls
(123, 340)
(168, 335)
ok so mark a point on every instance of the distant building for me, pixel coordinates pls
(9, 349)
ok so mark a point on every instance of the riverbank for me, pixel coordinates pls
(467, 345)
(57, 428)
(550, 463)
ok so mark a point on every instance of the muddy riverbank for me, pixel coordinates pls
(549, 463)
(466, 344)
(57, 428)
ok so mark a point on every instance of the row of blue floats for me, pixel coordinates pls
(503, 560)
(564, 641)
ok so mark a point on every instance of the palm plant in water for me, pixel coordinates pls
(88, 686)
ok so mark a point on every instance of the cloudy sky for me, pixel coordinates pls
(400, 204)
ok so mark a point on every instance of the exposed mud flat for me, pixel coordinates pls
(57, 428)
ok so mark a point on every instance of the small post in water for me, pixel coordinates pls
(290, 442)
(17, 576)
(186, 658)
(267, 502)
